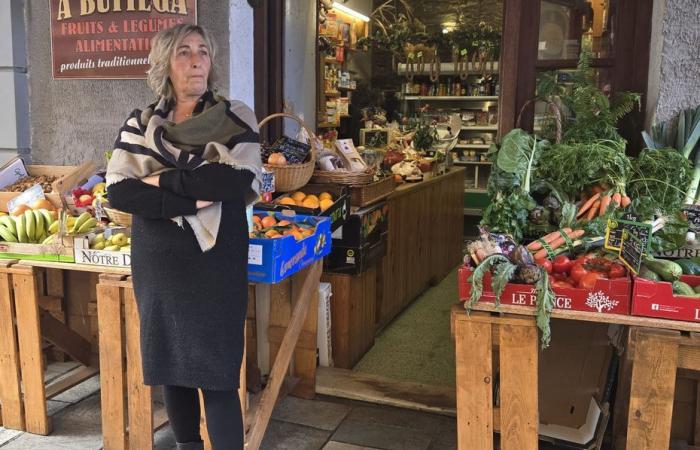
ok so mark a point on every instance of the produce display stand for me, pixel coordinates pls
(656, 349)
(128, 415)
(26, 295)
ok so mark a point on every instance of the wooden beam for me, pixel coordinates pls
(70, 342)
(74, 378)
(10, 390)
(284, 356)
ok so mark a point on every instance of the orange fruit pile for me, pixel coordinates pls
(267, 226)
(323, 200)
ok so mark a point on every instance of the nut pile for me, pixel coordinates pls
(27, 182)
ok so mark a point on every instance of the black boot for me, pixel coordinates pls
(191, 446)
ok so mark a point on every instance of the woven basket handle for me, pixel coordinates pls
(557, 117)
(312, 136)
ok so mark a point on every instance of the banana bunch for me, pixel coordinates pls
(118, 242)
(32, 226)
(75, 225)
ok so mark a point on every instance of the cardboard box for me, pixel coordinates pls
(85, 255)
(273, 260)
(338, 212)
(363, 226)
(354, 260)
(656, 299)
(59, 251)
(607, 297)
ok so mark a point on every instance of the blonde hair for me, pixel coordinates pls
(163, 46)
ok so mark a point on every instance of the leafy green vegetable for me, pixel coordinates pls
(508, 213)
(658, 174)
(576, 166)
(545, 305)
(568, 215)
(503, 274)
(518, 155)
(477, 278)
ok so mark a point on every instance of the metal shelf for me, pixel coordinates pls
(451, 97)
(473, 212)
(481, 146)
(482, 128)
(448, 69)
(328, 125)
(474, 190)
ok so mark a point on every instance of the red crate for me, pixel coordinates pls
(608, 296)
(656, 299)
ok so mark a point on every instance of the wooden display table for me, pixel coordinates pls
(128, 415)
(28, 299)
(657, 348)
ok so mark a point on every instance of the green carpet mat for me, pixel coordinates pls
(417, 346)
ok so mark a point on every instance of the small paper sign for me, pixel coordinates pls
(419, 55)
(692, 212)
(632, 250)
(613, 234)
(411, 55)
(463, 52)
(27, 197)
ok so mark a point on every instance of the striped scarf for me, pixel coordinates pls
(219, 131)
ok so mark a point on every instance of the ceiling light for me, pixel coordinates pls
(351, 12)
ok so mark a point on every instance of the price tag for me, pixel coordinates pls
(613, 234)
(411, 55)
(463, 52)
(632, 250)
(692, 212)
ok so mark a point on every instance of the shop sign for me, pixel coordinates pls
(110, 38)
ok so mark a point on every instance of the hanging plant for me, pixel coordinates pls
(424, 138)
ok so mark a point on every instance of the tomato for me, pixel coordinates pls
(617, 270)
(562, 264)
(578, 271)
(562, 284)
(545, 263)
(559, 276)
(585, 258)
(588, 280)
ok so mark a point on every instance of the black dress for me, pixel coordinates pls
(192, 304)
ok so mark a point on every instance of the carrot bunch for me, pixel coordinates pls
(554, 240)
(598, 204)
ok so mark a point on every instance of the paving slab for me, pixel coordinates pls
(55, 370)
(381, 436)
(397, 417)
(81, 391)
(311, 413)
(332, 445)
(7, 435)
(286, 436)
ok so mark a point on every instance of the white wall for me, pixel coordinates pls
(14, 115)
(300, 61)
(242, 80)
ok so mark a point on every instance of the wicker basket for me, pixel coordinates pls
(118, 217)
(342, 177)
(370, 193)
(292, 177)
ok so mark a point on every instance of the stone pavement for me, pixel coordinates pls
(323, 423)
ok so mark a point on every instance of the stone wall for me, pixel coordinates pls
(76, 120)
(674, 75)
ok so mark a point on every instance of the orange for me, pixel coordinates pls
(310, 202)
(277, 159)
(272, 233)
(19, 210)
(283, 223)
(256, 219)
(268, 221)
(287, 201)
(311, 196)
(307, 231)
(298, 196)
(325, 203)
(325, 195)
(297, 235)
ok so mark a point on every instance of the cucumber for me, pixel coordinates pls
(689, 267)
(667, 270)
(681, 288)
(648, 274)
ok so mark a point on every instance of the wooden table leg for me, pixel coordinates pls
(474, 384)
(31, 360)
(654, 365)
(109, 317)
(10, 391)
(284, 356)
(519, 385)
(140, 396)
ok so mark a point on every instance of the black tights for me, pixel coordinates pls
(223, 410)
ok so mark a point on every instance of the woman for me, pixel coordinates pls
(186, 167)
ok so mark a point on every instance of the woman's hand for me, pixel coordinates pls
(203, 204)
(153, 180)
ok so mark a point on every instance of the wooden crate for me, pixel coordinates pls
(352, 315)
(23, 324)
(69, 177)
